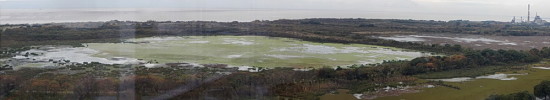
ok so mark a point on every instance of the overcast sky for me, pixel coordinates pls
(452, 7)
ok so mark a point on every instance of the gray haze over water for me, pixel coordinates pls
(46, 11)
(23, 16)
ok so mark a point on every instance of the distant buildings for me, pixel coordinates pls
(537, 21)
(513, 20)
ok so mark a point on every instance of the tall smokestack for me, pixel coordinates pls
(528, 12)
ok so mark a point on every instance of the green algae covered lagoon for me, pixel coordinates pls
(250, 51)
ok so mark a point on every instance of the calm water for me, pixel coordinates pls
(18, 16)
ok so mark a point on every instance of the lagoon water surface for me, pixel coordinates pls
(249, 51)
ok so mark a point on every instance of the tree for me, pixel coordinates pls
(339, 68)
(151, 84)
(412, 70)
(535, 51)
(542, 90)
(87, 87)
(418, 60)
(7, 83)
(475, 58)
(524, 95)
(326, 73)
(457, 48)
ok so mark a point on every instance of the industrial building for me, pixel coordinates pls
(537, 21)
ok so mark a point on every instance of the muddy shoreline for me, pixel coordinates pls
(476, 41)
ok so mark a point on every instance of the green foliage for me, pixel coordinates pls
(514, 96)
(10, 52)
(311, 22)
(465, 72)
(326, 73)
(472, 59)
(542, 90)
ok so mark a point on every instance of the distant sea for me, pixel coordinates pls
(32, 16)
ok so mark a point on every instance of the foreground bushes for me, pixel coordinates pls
(514, 96)
(541, 91)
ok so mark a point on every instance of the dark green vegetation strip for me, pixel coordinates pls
(470, 72)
